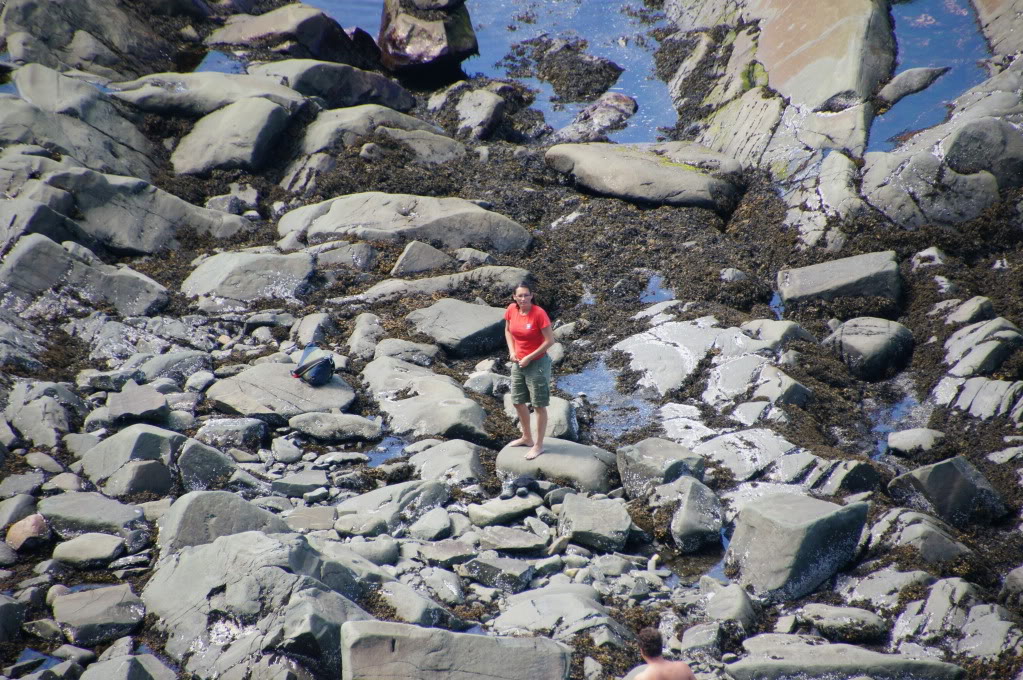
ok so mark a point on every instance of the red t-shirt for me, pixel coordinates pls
(526, 330)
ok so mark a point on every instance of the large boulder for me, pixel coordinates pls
(953, 489)
(103, 37)
(375, 650)
(670, 173)
(240, 135)
(245, 277)
(462, 328)
(414, 40)
(698, 520)
(560, 611)
(786, 545)
(277, 591)
(873, 274)
(339, 85)
(872, 348)
(299, 29)
(587, 468)
(270, 393)
(75, 512)
(655, 461)
(99, 615)
(124, 214)
(376, 216)
(599, 524)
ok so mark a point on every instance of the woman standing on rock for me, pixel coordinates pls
(527, 330)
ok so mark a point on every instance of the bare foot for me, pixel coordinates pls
(521, 441)
(534, 452)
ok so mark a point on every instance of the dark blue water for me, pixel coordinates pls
(609, 30)
(388, 448)
(616, 413)
(932, 33)
(777, 305)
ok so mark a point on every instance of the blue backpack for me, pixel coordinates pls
(315, 373)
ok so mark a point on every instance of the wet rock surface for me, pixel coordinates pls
(788, 376)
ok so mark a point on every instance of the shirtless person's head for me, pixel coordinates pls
(657, 667)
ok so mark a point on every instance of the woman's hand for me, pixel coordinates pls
(524, 361)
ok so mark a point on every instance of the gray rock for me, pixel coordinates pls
(394, 504)
(593, 123)
(943, 612)
(981, 347)
(500, 281)
(910, 81)
(444, 584)
(429, 147)
(439, 410)
(199, 94)
(73, 513)
(24, 123)
(225, 432)
(367, 332)
(563, 610)
(1011, 592)
(350, 124)
(200, 517)
(914, 440)
(600, 524)
(455, 462)
(290, 592)
(989, 631)
(786, 545)
(746, 452)
(479, 112)
(932, 538)
(335, 427)
(561, 419)
(844, 624)
(873, 274)
(986, 144)
(145, 666)
(270, 393)
(339, 85)
(415, 352)
(433, 526)
(135, 402)
(375, 216)
(503, 511)
(25, 484)
(36, 265)
(505, 573)
(655, 461)
(642, 175)
(463, 329)
(872, 348)
(14, 508)
(508, 540)
(240, 135)
(139, 442)
(300, 483)
(953, 489)
(772, 656)
(881, 588)
(412, 607)
(245, 277)
(977, 308)
(201, 467)
(698, 520)
(448, 553)
(588, 468)
(378, 649)
(296, 29)
(420, 257)
(99, 615)
(12, 613)
(90, 550)
(728, 603)
(174, 365)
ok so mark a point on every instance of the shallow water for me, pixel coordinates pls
(616, 413)
(655, 290)
(388, 448)
(611, 34)
(931, 33)
(220, 62)
(903, 413)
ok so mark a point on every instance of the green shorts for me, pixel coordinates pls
(532, 384)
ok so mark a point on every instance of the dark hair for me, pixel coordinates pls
(650, 642)
(522, 284)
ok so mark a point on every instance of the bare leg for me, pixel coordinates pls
(527, 436)
(541, 430)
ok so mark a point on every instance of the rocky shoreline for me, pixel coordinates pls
(796, 450)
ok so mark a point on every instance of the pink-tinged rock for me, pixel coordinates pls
(28, 533)
(408, 41)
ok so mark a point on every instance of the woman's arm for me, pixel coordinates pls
(510, 341)
(548, 342)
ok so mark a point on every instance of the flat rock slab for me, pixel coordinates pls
(462, 328)
(599, 524)
(250, 276)
(199, 94)
(502, 511)
(774, 656)
(587, 468)
(872, 348)
(379, 650)
(89, 550)
(873, 274)
(200, 517)
(98, 615)
(269, 392)
(339, 85)
(350, 124)
(509, 540)
(70, 514)
(240, 135)
(746, 452)
(499, 280)
(376, 216)
(671, 173)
